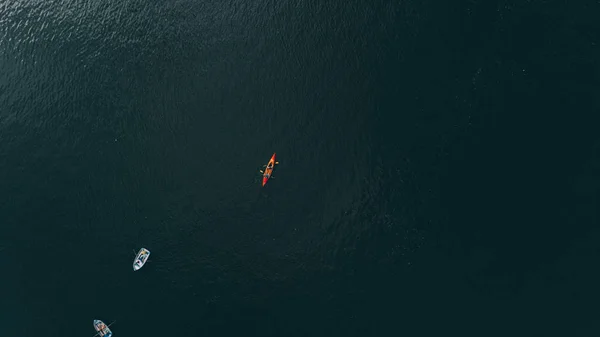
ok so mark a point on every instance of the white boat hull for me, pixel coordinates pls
(103, 330)
(140, 259)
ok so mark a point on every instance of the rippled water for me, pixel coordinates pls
(136, 123)
(394, 209)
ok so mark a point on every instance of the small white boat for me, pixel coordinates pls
(140, 259)
(103, 330)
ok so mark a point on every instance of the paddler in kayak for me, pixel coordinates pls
(268, 170)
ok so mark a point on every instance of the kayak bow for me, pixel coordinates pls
(268, 170)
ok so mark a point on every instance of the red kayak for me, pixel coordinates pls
(269, 170)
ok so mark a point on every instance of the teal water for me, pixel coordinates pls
(439, 168)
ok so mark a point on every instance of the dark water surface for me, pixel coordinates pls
(439, 168)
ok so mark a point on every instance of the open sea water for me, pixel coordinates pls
(439, 167)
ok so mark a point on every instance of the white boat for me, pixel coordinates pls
(103, 330)
(141, 259)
